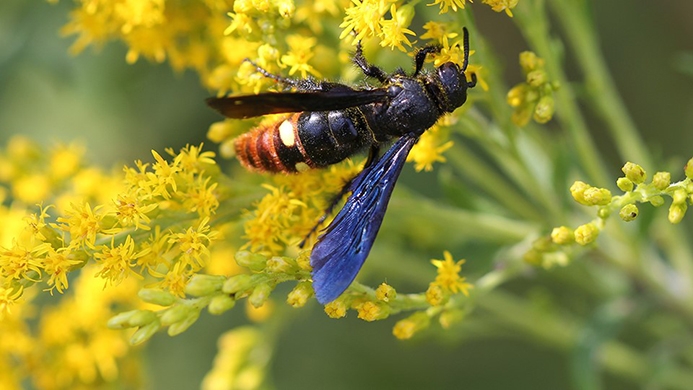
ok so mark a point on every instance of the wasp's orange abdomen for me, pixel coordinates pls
(304, 140)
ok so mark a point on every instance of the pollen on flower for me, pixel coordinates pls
(336, 309)
(363, 17)
(394, 31)
(448, 275)
(57, 264)
(201, 197)
(192, 159)
(117, 261)
(268, 230)
(372, 311)
(193, 244)
(130, 212)
(435, 295)
(82, 223)
(385, 293)
(300, 52)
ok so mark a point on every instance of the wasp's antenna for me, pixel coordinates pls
(466, 48)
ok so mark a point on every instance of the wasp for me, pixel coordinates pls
(332, 121)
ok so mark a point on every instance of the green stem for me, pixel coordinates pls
(600, 86)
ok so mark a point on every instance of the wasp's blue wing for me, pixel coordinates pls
(341, 250)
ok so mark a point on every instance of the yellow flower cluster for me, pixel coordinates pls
(115, 234)
(68, 345)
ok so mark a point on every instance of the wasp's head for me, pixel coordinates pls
(452, 86)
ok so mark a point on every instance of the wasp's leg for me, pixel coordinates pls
(368, 69)
(372, 157)
(302, 84)
(421, 57)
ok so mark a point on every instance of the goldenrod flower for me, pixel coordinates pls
(116, 261)
(429, 150)
(446, 4)
(394, 31)
(300, 52)
(82, 223)
(57, 264)
(363, 17)
(449, 275)
(502, 5)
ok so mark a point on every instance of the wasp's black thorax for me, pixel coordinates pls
(410, 109)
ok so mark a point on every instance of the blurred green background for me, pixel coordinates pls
(121, 112)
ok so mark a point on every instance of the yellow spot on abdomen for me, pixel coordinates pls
(301, 167)
(286, 133)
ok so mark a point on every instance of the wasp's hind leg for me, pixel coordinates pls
(301, 84)
(372, 157)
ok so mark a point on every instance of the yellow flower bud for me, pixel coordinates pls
(529, 61)
(624, 184)
(201, 285)
(336, 309)
(260, 294)
(562, 235)
(175, 314)
(628, 212)
(543, 111)
(677, 212)
(516, 95)
(679, 196)
(237, 283)
(372, 311)
(182, 326)
(537, 78)
(634, 172)
(220, 304)
(385, 293)
(300, 294)
(661, 180)
(577, 190)
(251, 261)
(145, 333)
(435, 295)
(597, 196)
(586, 234)
(157, 296)
(277, 264)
